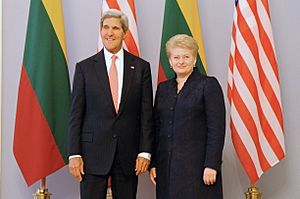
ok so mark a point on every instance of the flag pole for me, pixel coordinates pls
(253, 192)
(42, 192)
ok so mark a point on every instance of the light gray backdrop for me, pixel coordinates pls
(81, 25)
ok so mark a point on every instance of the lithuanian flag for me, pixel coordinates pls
(181, 17)
(44, 94)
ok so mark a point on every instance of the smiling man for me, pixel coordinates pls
(110, 127)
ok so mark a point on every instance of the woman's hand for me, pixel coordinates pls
(152, 175)
(209, 176)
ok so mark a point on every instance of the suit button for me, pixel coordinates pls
(170, 122)
(115, 136)
(171, 108)
(169, 136)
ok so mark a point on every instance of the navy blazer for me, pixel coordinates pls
(189, 136)
(96, 131)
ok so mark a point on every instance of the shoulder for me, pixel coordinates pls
(128, 55)
(164, 86)
(205, 83)
(211, 80)
(206, 79)
(88, 60)
(212, 86)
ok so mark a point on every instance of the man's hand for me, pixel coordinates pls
(152, 175)
(141, 165)
(76, 167)
(209, 176)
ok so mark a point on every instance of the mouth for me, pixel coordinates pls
(109, 39)
(181, 67)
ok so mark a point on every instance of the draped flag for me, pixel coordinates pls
(181, 17)
(44, 94)
(128, 8)
(253, 90)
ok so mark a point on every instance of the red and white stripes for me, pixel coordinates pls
(127, 7)
(253, 90)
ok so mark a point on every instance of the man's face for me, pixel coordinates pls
(112, 34)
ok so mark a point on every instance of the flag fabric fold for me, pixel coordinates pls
(253, 90)
(40, 136)
(180, 17)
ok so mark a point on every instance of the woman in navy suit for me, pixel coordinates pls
(190, 127)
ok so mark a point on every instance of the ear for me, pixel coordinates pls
(195, 60)
(170, 61)
(125, 34)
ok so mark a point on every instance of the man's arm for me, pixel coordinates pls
(76, 115)
(146, 135)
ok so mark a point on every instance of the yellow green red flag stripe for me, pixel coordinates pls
(181, 17)
(44, 94)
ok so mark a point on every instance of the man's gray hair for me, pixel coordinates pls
(113, 13)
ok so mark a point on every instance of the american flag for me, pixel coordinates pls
(128, 8)
(256, 120)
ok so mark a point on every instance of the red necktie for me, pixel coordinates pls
(113, 81)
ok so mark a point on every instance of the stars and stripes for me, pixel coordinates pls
(256, 120)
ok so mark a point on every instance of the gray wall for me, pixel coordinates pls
(81, 24)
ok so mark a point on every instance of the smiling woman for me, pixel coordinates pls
(189, 114)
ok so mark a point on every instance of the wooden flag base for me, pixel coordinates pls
(253, 193)
(42, 192)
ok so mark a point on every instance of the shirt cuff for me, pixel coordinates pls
(145, 155)
(74, 156)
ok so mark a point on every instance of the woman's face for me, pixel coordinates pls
(182, 61)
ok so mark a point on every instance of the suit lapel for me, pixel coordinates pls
(101, 71)
(128, 78)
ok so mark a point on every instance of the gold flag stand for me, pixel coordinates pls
(42, 192)
(109, 194)
(253, 193)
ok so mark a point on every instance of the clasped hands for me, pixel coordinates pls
(76, 166)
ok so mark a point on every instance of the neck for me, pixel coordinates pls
(182, 78)
(114, 51)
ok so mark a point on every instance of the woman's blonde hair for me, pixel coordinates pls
(182, 41)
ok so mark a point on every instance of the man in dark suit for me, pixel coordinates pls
(110, 127)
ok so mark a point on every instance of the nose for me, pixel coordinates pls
(181, 60)
(110, 32)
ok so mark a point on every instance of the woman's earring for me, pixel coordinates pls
(171, 67)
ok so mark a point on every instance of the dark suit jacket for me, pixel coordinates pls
(190, 129)
(96, 132)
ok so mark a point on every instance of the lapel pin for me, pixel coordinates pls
(132, 67)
